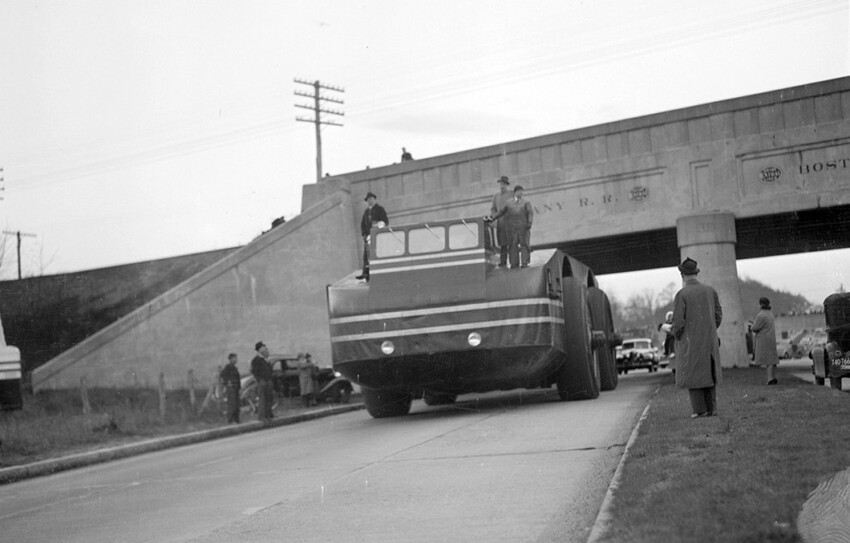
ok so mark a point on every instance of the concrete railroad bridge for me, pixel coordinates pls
(749, 177)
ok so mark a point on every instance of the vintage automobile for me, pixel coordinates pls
(438, 318)
(637, 353)
(333, 387)
(832, 359)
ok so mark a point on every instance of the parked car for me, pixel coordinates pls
(333, 387)
(637, 353)
(831, 360)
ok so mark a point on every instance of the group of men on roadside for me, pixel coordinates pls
(261, 369)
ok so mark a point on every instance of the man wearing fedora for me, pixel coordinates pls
(261, 369)
(373, 215)
(499, 200)
(696, 316)
(519, 215)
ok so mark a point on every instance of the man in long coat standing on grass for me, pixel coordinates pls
(696, 316)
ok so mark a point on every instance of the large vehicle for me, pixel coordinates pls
(832, 360)
(439, 318)
(10, 375)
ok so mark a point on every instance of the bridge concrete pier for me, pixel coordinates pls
(710, 238)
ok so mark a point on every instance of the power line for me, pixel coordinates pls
(317, 109)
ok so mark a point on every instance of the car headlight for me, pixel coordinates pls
(474, 339)
(387, 347)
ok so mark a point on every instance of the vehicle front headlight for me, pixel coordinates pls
(387, 347)
(474, 339)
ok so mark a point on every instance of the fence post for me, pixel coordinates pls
(192, 390)
(84, 396)
(162, 397)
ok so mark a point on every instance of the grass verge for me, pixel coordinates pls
(52, 423)
(740, 476)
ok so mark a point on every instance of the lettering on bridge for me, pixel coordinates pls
(637, 194)
(826, 165)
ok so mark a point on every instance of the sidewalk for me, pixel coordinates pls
(55, 465)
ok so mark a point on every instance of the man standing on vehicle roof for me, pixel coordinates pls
(373, 215)
(499, 200)
(261, 369)
(696, 316)
(231, 381)
(519, 215)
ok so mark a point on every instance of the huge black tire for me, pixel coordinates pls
(339, 393)
(578, 377)
(384, 403)
(600, 315)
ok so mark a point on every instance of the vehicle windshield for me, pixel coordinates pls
(638, 345)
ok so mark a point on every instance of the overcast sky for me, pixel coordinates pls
(135, 130)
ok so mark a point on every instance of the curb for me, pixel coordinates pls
(606, 512)
(55, 465)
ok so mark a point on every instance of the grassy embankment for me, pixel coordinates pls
(52, 423)
(740, 476)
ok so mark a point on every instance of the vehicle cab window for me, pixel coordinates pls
(463, 236)
(429, 239)
(388, 244)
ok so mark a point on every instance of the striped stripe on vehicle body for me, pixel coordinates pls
(444, 319)
(425, 262)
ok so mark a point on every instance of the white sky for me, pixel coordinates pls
(134, 130)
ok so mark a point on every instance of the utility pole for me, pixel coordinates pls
(317, 109)
(2, 187)
(18, 234)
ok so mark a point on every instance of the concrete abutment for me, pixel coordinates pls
(709, 238)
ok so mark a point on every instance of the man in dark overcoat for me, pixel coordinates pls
(696, 316)
(261, 369)
(500, 199)
(231, 381)
(374, 215)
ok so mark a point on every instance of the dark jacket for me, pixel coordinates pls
(261, 369)
(518, 214)
(230, 376)
(372, 215)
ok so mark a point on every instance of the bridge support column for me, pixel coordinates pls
(710, 239)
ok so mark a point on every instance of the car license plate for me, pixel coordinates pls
(843, 363)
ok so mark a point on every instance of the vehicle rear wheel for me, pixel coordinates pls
(385, 403)
(340, 393)
(578, 377)
(600, 315)
(835, 382)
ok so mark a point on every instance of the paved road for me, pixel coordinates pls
(501, 467)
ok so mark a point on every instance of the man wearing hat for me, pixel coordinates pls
(261, 369)
(374, 215)
(499, 200)
(231, 381)
(519, 215)
(696, 316)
